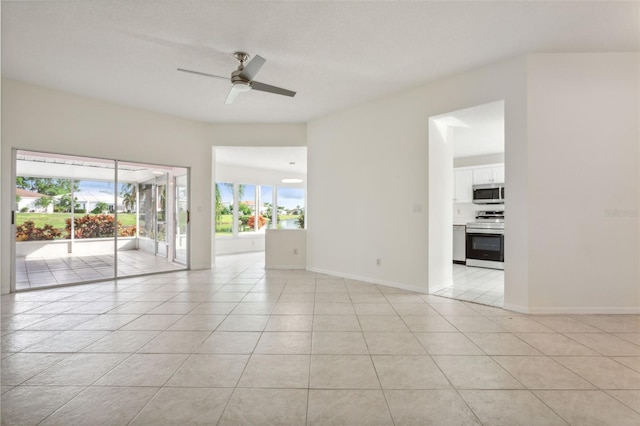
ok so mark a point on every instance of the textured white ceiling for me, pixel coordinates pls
(333, 53)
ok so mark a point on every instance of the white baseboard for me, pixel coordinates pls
(515, 308)
(298, 267)
(392, 284)
(574, 310)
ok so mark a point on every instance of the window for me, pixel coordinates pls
(246, 208)
(278, 208)
(224, 208)
(266, 207)
(290, 208)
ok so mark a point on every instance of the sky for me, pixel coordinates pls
(97, 186)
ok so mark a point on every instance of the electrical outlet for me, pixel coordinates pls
(379, 262)
(295, 251)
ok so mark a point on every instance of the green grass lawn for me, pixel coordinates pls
(57, 220)
(224, 224)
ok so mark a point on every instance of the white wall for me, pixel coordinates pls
(242, 244)
(259, 134)
(254, 176)
(286, 249)
(571, 125)
(583, 158)
(368, 169)
(477, 160)
(36, 118)
(440, 191)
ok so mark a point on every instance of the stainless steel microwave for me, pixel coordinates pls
(491, 193)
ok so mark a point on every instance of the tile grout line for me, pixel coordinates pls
(313, 316)
(457, 391)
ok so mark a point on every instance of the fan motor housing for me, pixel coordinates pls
(240, 83)
(236, 77)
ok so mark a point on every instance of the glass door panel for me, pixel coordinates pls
(181, 219)
(147, 217)
(94, 227)
(64, 221)
(147, 196)
(161, 218)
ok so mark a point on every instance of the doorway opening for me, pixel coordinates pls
(80, 219)
(466, 225)
(256, 189)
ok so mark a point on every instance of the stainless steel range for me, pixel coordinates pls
(485, 240)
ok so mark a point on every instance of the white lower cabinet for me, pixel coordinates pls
(459, 244)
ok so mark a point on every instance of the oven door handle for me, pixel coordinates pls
(485, 231)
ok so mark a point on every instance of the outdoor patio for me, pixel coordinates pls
(44, 271)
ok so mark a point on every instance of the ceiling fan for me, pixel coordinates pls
(242, 79)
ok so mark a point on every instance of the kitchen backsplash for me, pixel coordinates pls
(466, 212)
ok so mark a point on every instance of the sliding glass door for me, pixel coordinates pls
(181, 210)
(158, 234)
(80, 219)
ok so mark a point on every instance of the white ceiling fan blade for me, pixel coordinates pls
(251, 69)
(233, 94)
(256, 85)
(203, 74)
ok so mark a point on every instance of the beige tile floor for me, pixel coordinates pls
(478, 285)
(241, 346)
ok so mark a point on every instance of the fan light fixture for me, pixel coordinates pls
(241, 86)
(291, 180)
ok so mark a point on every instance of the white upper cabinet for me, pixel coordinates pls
(462, 186)
(484, 175)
